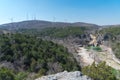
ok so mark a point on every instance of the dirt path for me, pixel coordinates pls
(85, 56)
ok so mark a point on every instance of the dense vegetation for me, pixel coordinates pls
(99, 72)
(111, 30)
(31, 54)
(56, 32)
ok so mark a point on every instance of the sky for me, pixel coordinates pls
(101, 12)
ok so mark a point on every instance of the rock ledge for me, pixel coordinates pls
(76, 75)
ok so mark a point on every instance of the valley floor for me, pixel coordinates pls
(88, 56)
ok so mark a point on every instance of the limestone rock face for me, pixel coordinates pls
(76, 75)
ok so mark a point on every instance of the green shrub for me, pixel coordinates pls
(6, 74)
(99, 71)
(21, 76)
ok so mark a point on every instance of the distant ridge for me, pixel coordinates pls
(117, 25)
(37, 24)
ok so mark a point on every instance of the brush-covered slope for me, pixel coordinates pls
(56, 32)
(112, 37)
(20, 52)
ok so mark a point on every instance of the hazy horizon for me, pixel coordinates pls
(100, 12)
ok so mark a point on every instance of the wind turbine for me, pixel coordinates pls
(54, 19)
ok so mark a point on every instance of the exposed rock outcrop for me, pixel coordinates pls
(77, 75)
